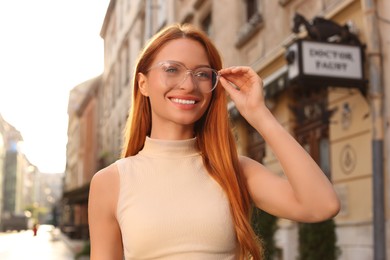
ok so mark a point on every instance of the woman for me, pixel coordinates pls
(181, 191)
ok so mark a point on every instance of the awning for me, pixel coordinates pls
(76, 196)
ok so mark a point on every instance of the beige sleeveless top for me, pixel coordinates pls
(170, 208)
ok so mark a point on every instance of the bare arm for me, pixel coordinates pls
(105, 235)
(306, 194)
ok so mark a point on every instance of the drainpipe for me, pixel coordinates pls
(377, 110)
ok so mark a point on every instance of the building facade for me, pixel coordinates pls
(18, 176)
(2, 158)
(13, 172)
(82, 158)
(342, 124)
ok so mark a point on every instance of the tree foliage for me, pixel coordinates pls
(265, 226)
(317, 241)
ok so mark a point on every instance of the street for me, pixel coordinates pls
(23, 245)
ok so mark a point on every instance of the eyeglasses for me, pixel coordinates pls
(174, 73)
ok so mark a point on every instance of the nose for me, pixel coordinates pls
(188, 83)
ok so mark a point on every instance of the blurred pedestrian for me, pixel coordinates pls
(181, 191)
(35, 229)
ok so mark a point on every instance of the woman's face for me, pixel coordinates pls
(176, 104)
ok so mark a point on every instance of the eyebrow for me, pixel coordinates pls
(196, 67)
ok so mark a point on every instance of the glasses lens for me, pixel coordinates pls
(206, 79)
(174, 74)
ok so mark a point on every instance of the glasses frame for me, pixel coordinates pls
(187, 71)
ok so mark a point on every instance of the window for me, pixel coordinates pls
(207, 24)
(324, 160)
(127, 67)
(312, 130)
(253, 23)
(113, 88)
(256, 145)
(162, 13)
(128, 4)
(251, 9)
(119, 75)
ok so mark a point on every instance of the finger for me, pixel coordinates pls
(235, 69)
(236, 79)
(241, 70)
(229, 87)
(240, 75)
(245, 78)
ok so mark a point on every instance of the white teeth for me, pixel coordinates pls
(183, 101)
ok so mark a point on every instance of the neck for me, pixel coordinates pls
(172, 132)
(170, 148)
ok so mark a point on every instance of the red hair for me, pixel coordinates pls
(218, 151)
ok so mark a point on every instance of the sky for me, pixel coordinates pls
(47, 47)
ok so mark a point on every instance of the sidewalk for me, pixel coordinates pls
(75, 245)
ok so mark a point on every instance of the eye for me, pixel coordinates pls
(203, 74)
(171, 68)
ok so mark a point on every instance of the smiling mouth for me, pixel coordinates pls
(183, 101)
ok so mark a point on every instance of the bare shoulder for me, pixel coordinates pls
(107, 174)
(103, 197)
(104, 186)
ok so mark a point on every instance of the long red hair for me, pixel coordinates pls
(219, 150)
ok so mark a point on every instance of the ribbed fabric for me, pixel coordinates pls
(170, 208)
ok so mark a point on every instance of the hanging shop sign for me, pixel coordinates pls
(333, 64)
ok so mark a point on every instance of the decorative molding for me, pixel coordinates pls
(249, 29)
(284, 2)
(348, 159)
(342, 194)
(198, 4)
(346, 116)
(187, 18)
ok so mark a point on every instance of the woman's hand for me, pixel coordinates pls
(245, 89)
(306, 195)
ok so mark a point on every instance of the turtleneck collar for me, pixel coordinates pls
(169, 148)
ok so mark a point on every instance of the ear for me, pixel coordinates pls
(143, 84)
